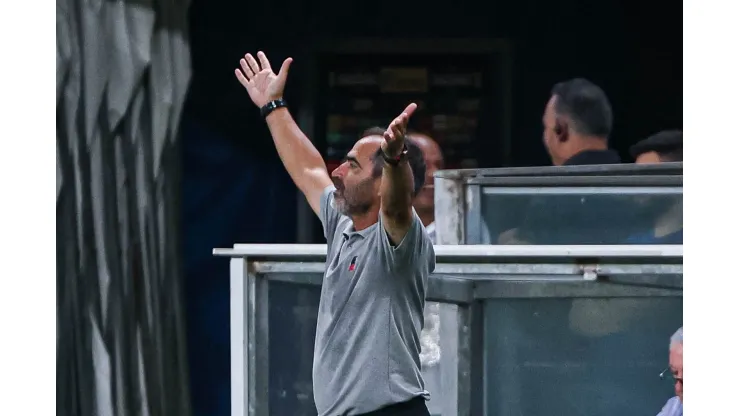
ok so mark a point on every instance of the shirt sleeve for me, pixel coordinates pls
(672, 407)
(328, 214)
(414, 251)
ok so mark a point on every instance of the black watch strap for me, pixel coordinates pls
(394, 161)
(272, 106)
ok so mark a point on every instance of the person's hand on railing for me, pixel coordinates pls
(261, 83)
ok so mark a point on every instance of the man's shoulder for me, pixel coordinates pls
(420, 233)
(415, 246)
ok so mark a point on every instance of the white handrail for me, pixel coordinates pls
(470, 251)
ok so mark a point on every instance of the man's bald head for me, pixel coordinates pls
(428, 145)
(677, 338)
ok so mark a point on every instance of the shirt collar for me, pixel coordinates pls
(349, 230)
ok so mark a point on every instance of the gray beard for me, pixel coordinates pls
(344, 205)
(345, 208)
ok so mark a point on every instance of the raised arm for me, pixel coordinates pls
(299, 156)
(397, 182)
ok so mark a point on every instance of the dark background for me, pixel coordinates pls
(234, 187)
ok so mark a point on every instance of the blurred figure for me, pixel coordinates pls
(674, 405)
(665, 146)
(577, 123)
(424, 202)
(666, 212)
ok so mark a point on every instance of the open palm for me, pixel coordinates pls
(261, 83)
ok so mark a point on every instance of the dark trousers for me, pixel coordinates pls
(414, 407)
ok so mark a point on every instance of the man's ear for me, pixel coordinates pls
(561, 130)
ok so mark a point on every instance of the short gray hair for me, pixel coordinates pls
(676, 338)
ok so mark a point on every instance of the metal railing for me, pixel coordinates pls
(473, 278)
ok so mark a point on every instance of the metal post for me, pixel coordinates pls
(464, 360)
(477, 368)
(249, 305)
(239, 333)
(260, 352)
(449, 210)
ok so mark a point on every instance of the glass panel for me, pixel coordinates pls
(578, 356)
(292, 323)
(582, 215)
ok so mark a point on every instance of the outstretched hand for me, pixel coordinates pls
(395, 135)
(257, 78)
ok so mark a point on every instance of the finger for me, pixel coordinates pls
(403, 120)
(396, 128)
(397, 132)
(242, 79)
(283, 74)
(263, 60)
(246, 69)
(410, 110)
(394, 124)
(253, 63)
(388, 136)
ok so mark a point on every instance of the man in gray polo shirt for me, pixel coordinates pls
(366, 353)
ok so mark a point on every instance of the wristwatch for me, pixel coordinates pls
(394, 161)
(272, 106)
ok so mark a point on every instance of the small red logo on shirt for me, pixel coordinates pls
(352, 264)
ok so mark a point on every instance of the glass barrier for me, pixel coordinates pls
(292, 328)
(509, 330)
(585, 356)
(584, 205)
(581, 215)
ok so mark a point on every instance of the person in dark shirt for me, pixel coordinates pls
(577, 123)
(665, 146)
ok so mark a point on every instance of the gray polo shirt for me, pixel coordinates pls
(366, 354)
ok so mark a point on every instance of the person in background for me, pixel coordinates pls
(379, 257)
(674, 405)
(666, 226)
(424, 202)
(577, 123)
(665, 146)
